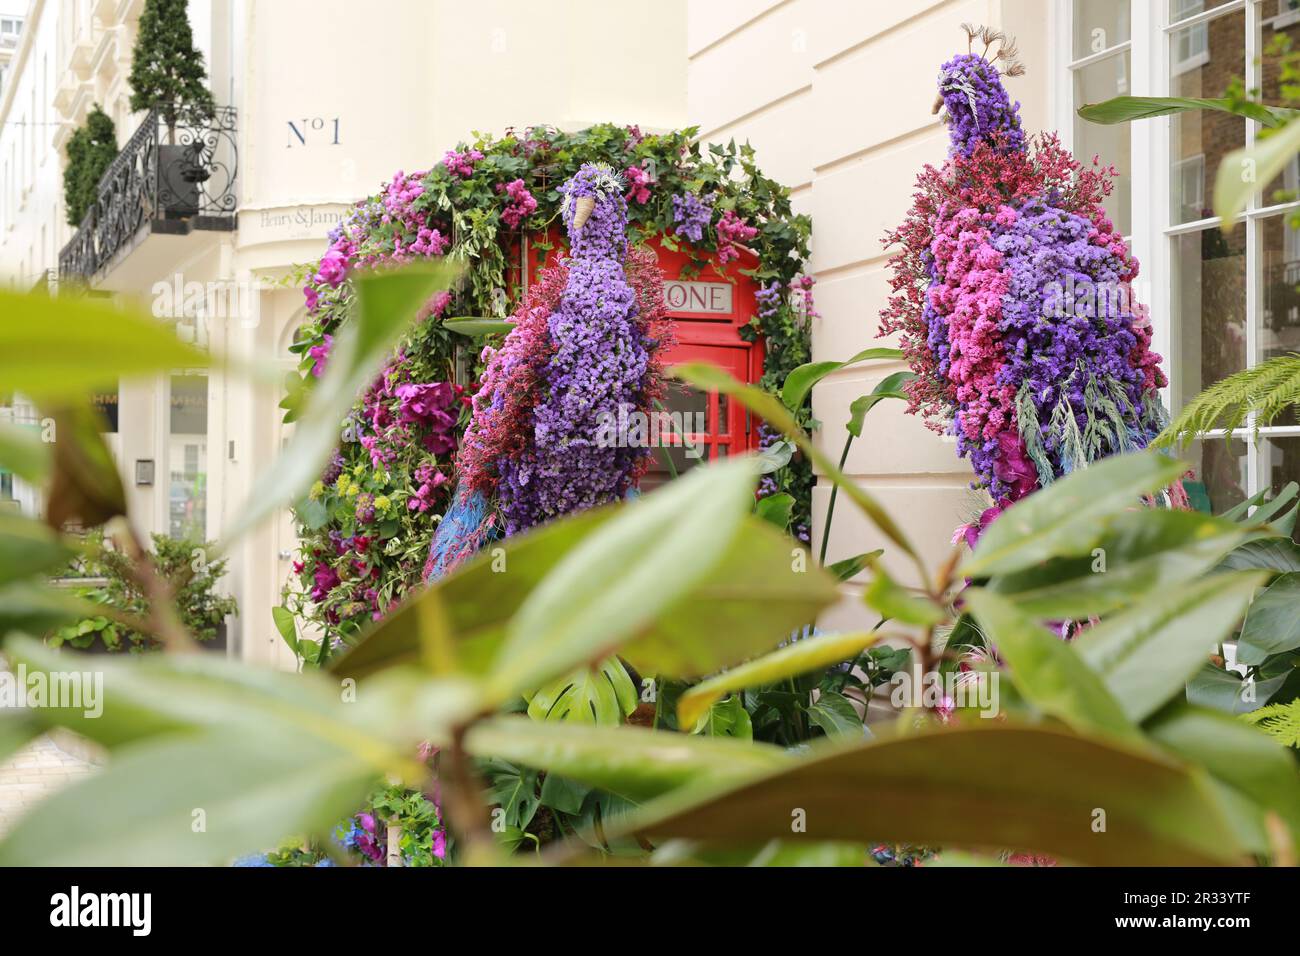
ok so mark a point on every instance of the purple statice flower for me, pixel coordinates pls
(768, 299)
(692, 215)
(598, 365)
(977, 105)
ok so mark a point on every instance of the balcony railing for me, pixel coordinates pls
(167, 180)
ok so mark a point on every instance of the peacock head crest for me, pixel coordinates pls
(974, 102)
(593, 185)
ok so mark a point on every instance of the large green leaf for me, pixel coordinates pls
(185, 693)
(1273, 621)
(476, 326)
(726, 718)
(195, 800)
(1140, 552)
(835, 715)
(636, 571)
(34, 607)
(86, 486)
(16, 729)
(898, 603)
(1147, 654)
(799, 657)
(1246, 170)
(629, 761)
(704, 375)
(28, 547)
(986, 785)
(891, 386)
(478, 599)
(1236, 753)
(603, 694)
(1274, 554)
(801, 380)
(387, 304)
(1126, 109)
(847, 568)
(1047, 671)
(66, 347)
(1067, 518)
(763, 589)
(1226, 691)
(23, 452)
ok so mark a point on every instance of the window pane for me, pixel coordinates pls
(1208, 295)
(1279, 324)
(1092, 84)
(1203, 58)
(187, 454)
(1279, 462)
(1182, 9)
(1218, 480)
(1279, 19)
(1099, 25)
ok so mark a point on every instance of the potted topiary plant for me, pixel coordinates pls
(167, 75)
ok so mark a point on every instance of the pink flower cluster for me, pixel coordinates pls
(461, 164)
(639, 182)
(521, 204)
(430, 479)
(733, 232)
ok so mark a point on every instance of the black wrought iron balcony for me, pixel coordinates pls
(168, 179)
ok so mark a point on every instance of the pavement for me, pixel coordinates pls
(33, 773)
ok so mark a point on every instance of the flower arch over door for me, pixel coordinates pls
(730, 243)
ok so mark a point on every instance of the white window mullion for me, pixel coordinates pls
(1148, 23)
(1254, 263)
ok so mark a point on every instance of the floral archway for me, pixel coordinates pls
(365, 528)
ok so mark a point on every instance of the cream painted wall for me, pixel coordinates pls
(836, 97)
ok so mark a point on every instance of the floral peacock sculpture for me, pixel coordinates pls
(1012, 295)
(585, 351)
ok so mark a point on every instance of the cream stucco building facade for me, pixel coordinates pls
(332, 97)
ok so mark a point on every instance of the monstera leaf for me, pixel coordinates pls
(603, 694)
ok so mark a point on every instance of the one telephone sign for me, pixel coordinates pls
(709, 298)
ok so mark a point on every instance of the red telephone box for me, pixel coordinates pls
(708, 310)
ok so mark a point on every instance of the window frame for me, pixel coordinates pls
(1153, 231)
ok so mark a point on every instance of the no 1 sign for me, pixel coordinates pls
(314, 131)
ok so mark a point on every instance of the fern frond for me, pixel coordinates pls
(1279, 721)
(1267, 390)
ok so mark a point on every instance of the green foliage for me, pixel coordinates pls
(1279, 721)
(167, 72)
(186, 567)
(1127, 109)
(1264, 392)
(1108, 720)
(91, 149)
